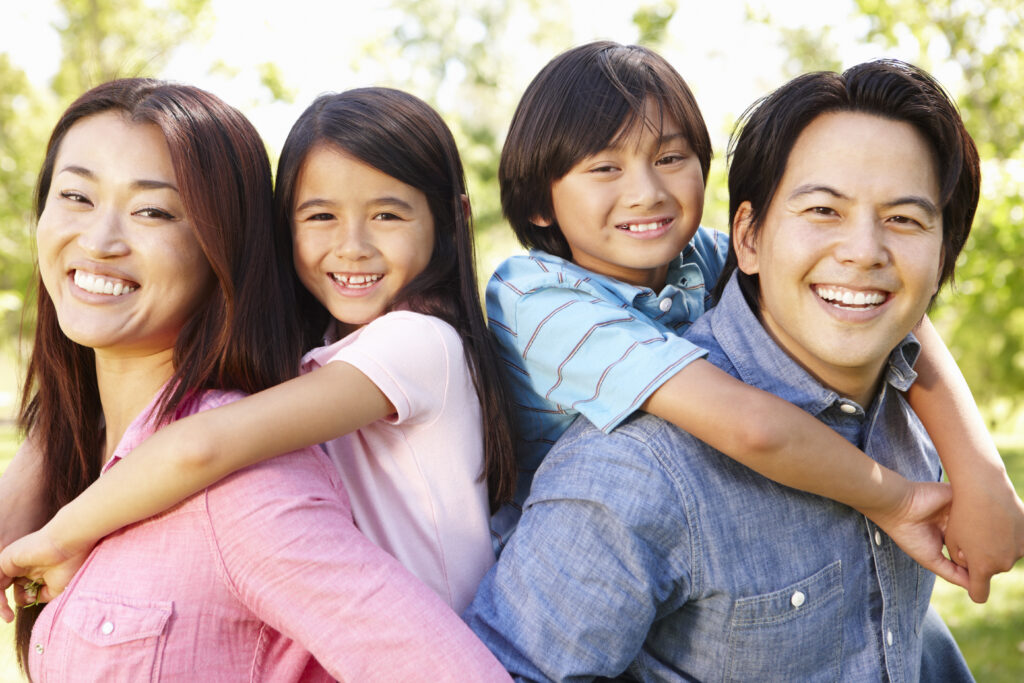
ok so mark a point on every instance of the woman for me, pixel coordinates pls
(163, 294)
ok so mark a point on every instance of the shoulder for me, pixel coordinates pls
(708, 248)
(525, 273)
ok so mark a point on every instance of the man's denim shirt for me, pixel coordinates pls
(648, 554)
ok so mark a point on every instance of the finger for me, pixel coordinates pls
(47, 594)
(6, 613)
(979, 585)
(951, 572)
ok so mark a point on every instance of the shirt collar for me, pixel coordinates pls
(138, 431)
(623, 290)
(761, 363)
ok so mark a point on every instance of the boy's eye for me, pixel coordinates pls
(667, 159)
(605, 168)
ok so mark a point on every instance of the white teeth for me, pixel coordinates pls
(643, 227)
(356, 281)
(846, 297)
(96, 284)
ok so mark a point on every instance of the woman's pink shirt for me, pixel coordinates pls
(261, 577)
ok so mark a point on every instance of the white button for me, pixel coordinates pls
(878, 537)
(888, 637)
(39, 648)
(798, 599)
(665, 305)
(848, 408)
(107, 628)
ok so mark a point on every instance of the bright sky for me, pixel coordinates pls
(727, 60)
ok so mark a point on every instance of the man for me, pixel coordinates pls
(647, 552)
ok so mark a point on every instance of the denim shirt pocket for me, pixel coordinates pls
(125, 637)
(796, 633)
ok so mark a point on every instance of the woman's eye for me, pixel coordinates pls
(386, 216)
(154, 212)
(74, 196)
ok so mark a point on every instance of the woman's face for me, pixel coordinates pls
(116, 251)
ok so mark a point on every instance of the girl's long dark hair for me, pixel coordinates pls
(241, 336)
(402, 136)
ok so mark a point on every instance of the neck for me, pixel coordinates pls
(856, 384)
(126, 387)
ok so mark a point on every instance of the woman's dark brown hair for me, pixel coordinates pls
(241, 336)
(402, 136)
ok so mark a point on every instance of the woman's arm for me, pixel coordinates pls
(985, 531)
(21, 501)
(189, 455)
(787, 445)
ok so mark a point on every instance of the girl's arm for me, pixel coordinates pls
(985, 531)
(189, 455)
(784, 443)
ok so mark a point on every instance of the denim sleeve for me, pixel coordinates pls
(591, 567)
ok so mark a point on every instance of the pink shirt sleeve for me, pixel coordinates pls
(289, 550)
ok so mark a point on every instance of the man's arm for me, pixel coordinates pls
(575, 591)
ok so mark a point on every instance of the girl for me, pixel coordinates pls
(405, 393)
(163, 294)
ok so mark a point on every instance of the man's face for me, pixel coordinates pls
(850, 250)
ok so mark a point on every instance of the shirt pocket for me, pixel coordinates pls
(796, 632)
(121, 639)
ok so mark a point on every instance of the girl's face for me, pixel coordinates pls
(117, 253)
(360, 235)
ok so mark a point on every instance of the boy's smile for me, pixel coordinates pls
(630, 209)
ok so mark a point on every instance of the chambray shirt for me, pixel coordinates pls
(576, 342)
(648, 553)
(261, 577)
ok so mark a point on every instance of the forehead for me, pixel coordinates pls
(652, 124)
(110, 145)
(862, 154)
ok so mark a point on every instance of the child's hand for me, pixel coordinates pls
(47, 567)
(985, 532)
(918, 528)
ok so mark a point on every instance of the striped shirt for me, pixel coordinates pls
(576, 342)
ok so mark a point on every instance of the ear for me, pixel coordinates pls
(541, 222)
(466, 209)
(743, 239)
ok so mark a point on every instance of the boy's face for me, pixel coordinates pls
(630, 209)
(850, 250)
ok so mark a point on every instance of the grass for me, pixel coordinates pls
(991, 636)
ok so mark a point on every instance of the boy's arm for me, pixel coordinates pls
(787, 445)
(985, 531)
(189, 455)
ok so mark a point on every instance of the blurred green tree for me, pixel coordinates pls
(976, 48)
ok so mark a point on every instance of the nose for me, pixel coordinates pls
(643, 187)
(353, 241)
(862, 242)
(104, 235)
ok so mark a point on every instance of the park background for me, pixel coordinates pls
(472, 59)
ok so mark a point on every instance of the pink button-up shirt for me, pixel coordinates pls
(261, 577)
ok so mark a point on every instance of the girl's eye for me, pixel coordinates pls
(74, 196)
(154, 212)
(321, 217)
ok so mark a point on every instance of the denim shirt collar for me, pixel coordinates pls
(761, 363)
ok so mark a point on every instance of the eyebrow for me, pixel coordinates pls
(922, 203)
(378, 201)
(142, 184)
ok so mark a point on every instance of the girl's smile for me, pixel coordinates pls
(360, 235)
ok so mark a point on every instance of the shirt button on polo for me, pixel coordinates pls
(665, 305)
(798, 599)
(107, 628)
(848, 408)
(878, 537)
